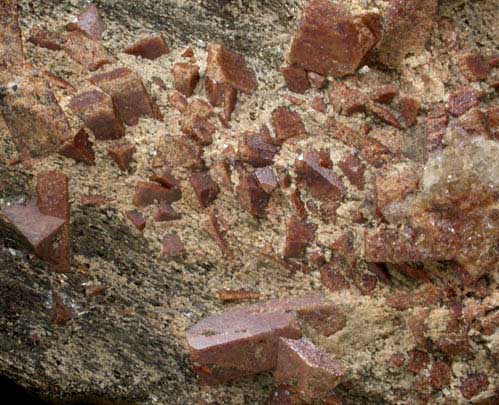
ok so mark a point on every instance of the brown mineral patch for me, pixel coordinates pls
(149, 48)
(329, 41)
(52, 190)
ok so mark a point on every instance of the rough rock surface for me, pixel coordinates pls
(413, 275)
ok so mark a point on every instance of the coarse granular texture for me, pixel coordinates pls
(392, 195)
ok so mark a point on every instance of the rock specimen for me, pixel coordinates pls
(379, 190)
(330, 41)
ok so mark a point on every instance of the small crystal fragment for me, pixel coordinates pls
(205, 188)
(137, 219)
(185, 77)
(121, 155)
(149, 48)
(79, 149)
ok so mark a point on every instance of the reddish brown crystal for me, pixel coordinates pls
(403, 245)
(318, 104)
(200, 129)
(86, 51)
(243, 342)
(322, 182)
(472, 385)
(217, 235)
(329, 41)
(311, 371)
(137, 219)
(46, 39)
(56, 81)
(237, 295)
(80, 148)
(296, 79)
(474, 67)
(385, 114)
(90, 22)
(409, 110)
(185, 77)
(347, 100)
(299, 207)
(436, 126)
(462, 100)
(317, 81)
(129, 95)
(385, 94)
(393, 185)
(440, 375)
(147, 193)
(172, 246)
(62, 313)
(226, 66)
(166, 213)
(178, 101)
(96, 109)
(370, 149)
(475, 123)
(205, 188)
(267, 178)
(354, 170)
(257, 148)
(39, 232)
(149, 48)
(52, 190)
(418, 360)
(299, 235)
(251, 196)
(165, 178)
(121, 155)
(287, 124)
